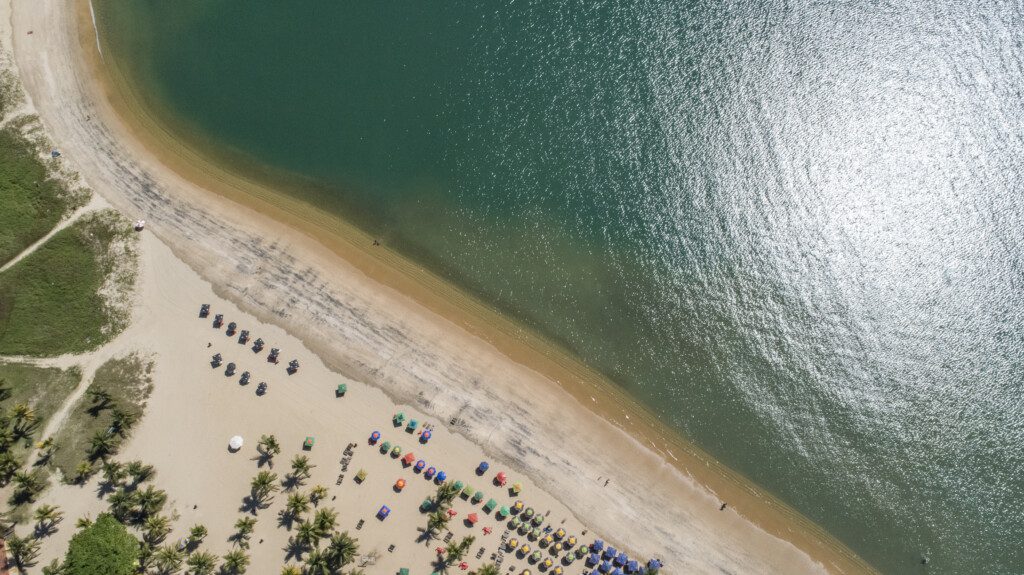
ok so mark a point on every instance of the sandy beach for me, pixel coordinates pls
(369, 322)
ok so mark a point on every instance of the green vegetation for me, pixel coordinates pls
(104, 547)
(103, 417)
(29, 396)
(71, 294)
(34, 200)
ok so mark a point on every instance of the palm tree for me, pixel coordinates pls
(235, 562)
(113, 473)
(291, 570)
(196, 534)
(100, 398)
(201, 563)
(101, 445)
(297, 504)
(446, 493)
(342, 549)
(9, 465)
(454, 552)
(123, 421)
(23, 550)
(83, 522)
(243, 531)
(56, 567)
(268, 447)
(308, 535)
(83, 472)
(168, 560)
(325, 520)
(122, 504)
(263, 484)
(317, 494)
(436, 521)
(156, 529)
(27, 486)
(301, 467)
(318, 563)
(139, 471)
(489, 569)
(23, 413)
(47, 518)
(150, 501)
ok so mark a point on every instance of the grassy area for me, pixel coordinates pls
(71, 294)
(116, 395)
(42, 390)
(33, 197)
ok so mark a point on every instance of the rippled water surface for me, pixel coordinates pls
(794, 229)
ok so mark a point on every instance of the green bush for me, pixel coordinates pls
(103, 548)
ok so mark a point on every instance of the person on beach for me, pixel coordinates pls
(722, 508)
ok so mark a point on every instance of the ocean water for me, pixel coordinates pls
(794, 229)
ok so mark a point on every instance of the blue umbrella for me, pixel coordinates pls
(605, 567)
(617, 572)
(653, 564)
(441, 476)
(621, 559)
(482, 468)
(632, 567)
(598, 545)
(594, 559)
(610, 553)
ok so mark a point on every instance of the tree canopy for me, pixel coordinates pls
(103, 548)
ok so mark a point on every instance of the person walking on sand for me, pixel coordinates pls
(606, 482)
(722, 508)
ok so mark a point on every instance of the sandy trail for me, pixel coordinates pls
(288, 286)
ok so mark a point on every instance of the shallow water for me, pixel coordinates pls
(793, 229)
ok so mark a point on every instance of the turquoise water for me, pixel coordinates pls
(793, 229)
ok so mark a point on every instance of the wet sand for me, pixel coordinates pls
(378, 319)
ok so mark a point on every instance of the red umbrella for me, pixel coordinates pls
(472, 518)
(501, 478)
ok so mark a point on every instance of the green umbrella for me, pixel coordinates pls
(467, 491)
(535, 533)
(459, 485)
(538, 520)
(514, 523)
(528, 513)
(385, 447)
(490, 505)
(342, 388)
(503, 512)
(478, 497)
(396, 451)
(536, 556)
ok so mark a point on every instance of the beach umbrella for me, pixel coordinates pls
(399, 417)
(490, 505)
(429, 472)
(525, 572)
(547, 540)
(374, 437)
(478, 497)
(512, 543)
(570, 541)
(653, 565)
(441, 476)
(604, 567)
(235, 443)
(609, 553)
(593, 560)
(583, 550)
(482, 468)
(385, 447)
(342, 388)
(617, 571)
(516, 488)
(467, 491)
(517, 507)
(525, 549)
(524, 528)
(420, 465)
(548, 563)
(535, 533)
(632, 567)
(400, 484)
(538, 520)
(528, 513)
(396, 451)
(413, 424)
(472, 518)
(536, 556)
(383, 512)
(598, 545)
(557, 571)
(425, 436)
(458, 484)
(621, 558)
(560, 533)
(514, 523)
(500, 478)
(361, 476)
(503, 512)
(558, 547)
(409, 457)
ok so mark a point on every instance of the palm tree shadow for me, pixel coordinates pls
(252, 505)
(293, 550)
(291, 482)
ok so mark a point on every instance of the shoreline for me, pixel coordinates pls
(407, 281)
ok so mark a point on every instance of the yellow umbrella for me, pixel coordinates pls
(558, 546)
(571, 541)
(548, 563)
(525, 549)
(513, 543)
(560, 533)
(557, 571)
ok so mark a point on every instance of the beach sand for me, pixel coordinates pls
(356, 319)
